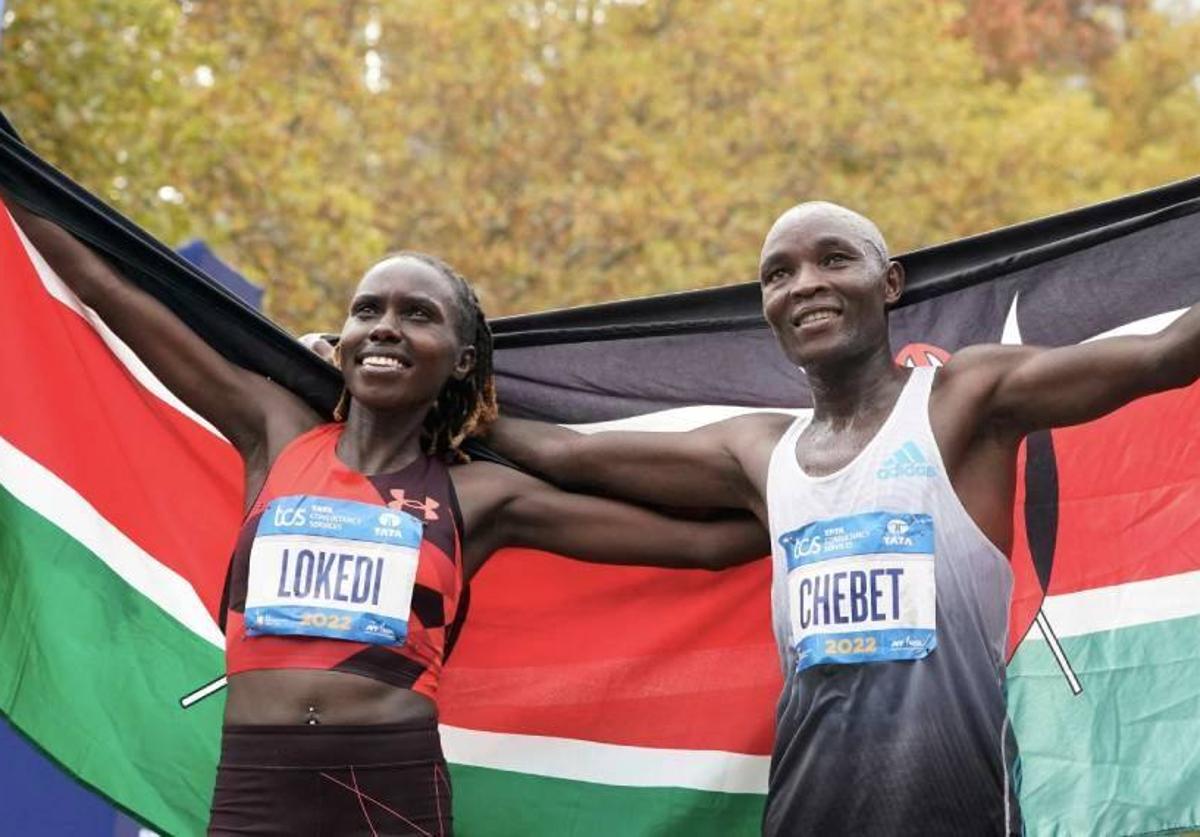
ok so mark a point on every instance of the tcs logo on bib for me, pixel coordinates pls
(808, 546)
(285, 516)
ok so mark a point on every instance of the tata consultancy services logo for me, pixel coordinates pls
(907, 461)
(389, 519)
(897, 533)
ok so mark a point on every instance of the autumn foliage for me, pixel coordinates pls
(570, 151)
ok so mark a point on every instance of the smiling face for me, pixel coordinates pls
(826, 284)
(400, 343)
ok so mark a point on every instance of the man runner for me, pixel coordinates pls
(890, 511)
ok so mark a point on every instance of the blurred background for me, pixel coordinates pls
(572, 151)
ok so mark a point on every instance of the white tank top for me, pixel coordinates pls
(890, 608)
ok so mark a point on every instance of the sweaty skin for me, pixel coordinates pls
(826, 286)
(406, 310)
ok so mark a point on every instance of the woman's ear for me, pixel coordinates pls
(466, 363)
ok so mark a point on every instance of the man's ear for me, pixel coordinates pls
(893, 282)
(466, 363)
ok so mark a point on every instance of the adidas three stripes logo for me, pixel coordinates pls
(907, 461)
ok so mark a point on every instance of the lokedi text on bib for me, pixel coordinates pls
(331, 568)
(861, 589)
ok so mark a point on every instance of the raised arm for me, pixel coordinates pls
(504, 507)
(1028, 388)
(721, 465)
(246, 407)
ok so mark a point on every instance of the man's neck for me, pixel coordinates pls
(847, 389)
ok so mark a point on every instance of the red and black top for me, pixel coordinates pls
(309, 465)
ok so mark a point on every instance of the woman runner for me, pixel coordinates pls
(344, 593)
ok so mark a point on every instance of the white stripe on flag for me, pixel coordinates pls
(680, 419)
(1123, 605)
(607, 764)
(43, 492)
(1148, 325)
(141, 373)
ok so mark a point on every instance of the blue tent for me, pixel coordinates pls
(202, 256)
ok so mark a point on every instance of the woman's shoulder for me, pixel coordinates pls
(482, 476)
(485, 488)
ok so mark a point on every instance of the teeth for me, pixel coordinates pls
(381, 362)
(817, 317)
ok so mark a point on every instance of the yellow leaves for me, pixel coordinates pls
(566, 152)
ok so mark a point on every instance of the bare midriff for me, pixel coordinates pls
(314, 696)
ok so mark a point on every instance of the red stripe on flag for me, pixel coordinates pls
(170, 485)
(1129, 491)
(624, 655)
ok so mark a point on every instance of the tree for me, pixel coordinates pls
(566, 151)
(1062, 36)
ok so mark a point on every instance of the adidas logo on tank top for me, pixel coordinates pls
(907, 461)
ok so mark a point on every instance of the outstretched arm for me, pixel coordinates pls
(524, 511)
(244, 406)
(1027, 388)
(717, 466)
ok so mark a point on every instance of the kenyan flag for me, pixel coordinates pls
(580, 699)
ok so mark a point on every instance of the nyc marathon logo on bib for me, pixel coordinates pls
(861, 589)
(332, 568)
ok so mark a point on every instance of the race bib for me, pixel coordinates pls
(861, 589)
(332, 568)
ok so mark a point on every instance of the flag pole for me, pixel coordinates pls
(208, 689)
(1056, 649)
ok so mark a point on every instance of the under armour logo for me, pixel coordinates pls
(428, 508)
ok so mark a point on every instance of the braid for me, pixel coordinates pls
(342, 409)
(464, 408)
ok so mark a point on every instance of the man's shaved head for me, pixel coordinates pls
(854, 224)
(826, 284)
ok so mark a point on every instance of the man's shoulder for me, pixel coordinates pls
(982, 356)
(757, 427)
(978, 367)
(752, 439)
(964, 392)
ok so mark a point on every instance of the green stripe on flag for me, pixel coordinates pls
(93, 672)
(1122, 757)
(497, 803)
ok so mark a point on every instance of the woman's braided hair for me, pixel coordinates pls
(463, 408)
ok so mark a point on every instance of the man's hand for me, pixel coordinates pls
(321, 343)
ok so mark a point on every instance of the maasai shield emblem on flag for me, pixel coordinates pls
(585, 699)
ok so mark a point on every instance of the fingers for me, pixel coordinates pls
(319, 343)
